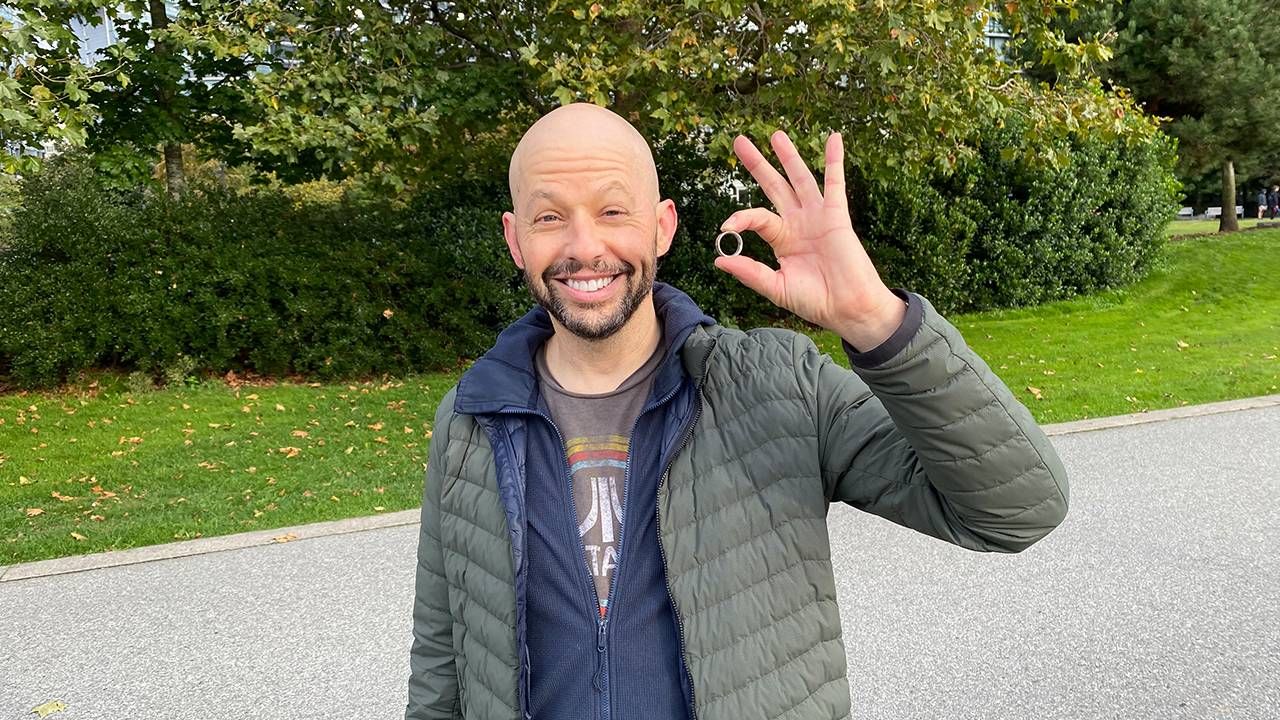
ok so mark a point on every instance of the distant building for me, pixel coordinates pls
(997, 37)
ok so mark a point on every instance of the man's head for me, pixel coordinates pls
(586, 212)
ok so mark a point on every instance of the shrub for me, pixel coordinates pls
(332, 281)
(1000, 232)
(258, 281)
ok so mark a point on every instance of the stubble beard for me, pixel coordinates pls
(578, 320)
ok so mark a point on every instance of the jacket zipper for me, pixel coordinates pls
(600, 679)
(662, 552)
(601, 632)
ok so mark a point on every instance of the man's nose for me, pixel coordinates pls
(586, 243)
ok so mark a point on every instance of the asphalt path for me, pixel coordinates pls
(1158, 598)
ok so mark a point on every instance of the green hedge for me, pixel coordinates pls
(1002, 233)
(252, 281)
(285, 282)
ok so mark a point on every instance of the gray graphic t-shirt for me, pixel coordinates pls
(597, 435)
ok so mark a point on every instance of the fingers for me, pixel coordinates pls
(775, 187)
(833, 174)
(763, 222)
(754, 274)
(806, 187)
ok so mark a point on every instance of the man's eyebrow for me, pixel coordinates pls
(614, 185)
(539, 195)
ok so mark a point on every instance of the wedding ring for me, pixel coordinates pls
(721, 237)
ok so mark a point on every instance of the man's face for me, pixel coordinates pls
(587, 236)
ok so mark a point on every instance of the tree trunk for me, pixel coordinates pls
(1228, 222)
(175, 177)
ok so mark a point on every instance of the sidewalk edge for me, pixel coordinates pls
(1178, 413)
(202, 546)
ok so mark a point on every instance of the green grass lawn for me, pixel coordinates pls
(1203, 327)
(1190, 227)
(97, 467)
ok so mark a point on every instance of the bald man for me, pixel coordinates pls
(624, 514)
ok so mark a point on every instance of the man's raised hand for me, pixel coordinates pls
(824, 274)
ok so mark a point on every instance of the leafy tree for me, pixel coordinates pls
(1211, 67)
(421, 90)
(175, 73)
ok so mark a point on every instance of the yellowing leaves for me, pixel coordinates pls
(48, 708)
(78, 536)
(1182, 345)
(1036, 392)
(289, 452)
(32, 512)
(288, 537)
(63, 498)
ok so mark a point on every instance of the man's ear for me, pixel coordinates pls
(667, 222)
(509, 233)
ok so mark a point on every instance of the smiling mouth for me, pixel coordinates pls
(590, 286)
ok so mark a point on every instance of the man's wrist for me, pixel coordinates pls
(869, 329)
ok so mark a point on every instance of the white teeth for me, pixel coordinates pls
(588, 285)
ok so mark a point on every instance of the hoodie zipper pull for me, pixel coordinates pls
(598, 680)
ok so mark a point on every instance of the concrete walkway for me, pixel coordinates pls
(1159, 598)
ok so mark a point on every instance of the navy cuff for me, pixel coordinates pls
(897, 341)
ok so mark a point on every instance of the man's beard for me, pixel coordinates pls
(549, 297)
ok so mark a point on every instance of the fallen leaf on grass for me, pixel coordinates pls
(78, 536)
(104, 494)
(279, 407)
(60, 496)
(97, 517)
(378, 508)
(32, 512)
(290, 452)
(285, 538)
(376, 426)
(1182, 345)
(300, 433)
(49, 708)
(1035, 391)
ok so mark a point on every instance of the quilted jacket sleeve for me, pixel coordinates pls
(923, 433)
(433, 680)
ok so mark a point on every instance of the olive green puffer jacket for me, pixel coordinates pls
(929, 438)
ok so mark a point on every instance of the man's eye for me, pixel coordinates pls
(615, 213)
(546, 218)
